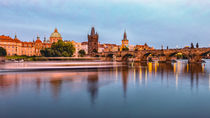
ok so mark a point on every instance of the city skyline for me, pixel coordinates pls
(160, 22)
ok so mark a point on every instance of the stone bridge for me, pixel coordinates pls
(193, 55)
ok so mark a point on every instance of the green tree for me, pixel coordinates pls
(3, 52)
(65, 54)
(81, 53)
(59, 49)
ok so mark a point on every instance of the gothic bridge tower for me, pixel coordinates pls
(124, 41)
(93, 42)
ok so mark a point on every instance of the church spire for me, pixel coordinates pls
(45, 39)
(92, 31)
(56, 30)
(125, 35)
(15, 36)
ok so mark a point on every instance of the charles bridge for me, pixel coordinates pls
(163, 55)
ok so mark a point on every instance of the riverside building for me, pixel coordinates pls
(14, 46)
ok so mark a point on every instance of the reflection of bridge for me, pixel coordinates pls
(193, 55)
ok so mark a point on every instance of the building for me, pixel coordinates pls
(111, 47)
(79, 46)
(93, 42)
(101, 48)
(131, 47)
(55, 36)
(84, 46)
(17, 47)
(143, 47)
(125, 42)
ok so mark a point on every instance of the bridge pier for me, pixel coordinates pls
(162, 59)
(143, 59)
(195, 59)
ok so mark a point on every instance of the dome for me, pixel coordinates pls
(56, 34)
(38, 41)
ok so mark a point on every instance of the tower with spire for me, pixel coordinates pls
(93, 42)
(125, 41)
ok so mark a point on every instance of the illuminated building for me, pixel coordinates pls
(79, 46)
(143, 47)
(124, 42)
(17, 47)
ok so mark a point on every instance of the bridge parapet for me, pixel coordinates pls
(193, 55)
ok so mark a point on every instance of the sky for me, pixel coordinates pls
(173, 23)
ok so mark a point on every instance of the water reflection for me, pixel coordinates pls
(92, 86)
(174, 75)
(124, 79)
(136, 90)
(55, 85)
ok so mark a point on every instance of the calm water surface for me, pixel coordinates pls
(131, 91)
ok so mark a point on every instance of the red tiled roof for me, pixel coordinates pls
(6, 39)
(17, 40)
(84, 43)
(38, 41)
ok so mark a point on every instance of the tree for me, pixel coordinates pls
(3, 52)
(197, 45)
(81, 53)
(59, 49)
(192, 45)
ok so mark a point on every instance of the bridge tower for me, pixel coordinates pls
(124, 42)
(92, 42)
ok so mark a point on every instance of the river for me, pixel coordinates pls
(134, 90)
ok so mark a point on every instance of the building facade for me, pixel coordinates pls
(110, 47)
(143, 47)
(14, 46)
(93, 42)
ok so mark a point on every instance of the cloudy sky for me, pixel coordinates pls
(156, 22)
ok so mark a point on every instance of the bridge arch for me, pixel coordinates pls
(149, 56)
(110, 55)
(205, 53)
(127, 56)
(178, 55)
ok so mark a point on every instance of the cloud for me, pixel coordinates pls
(151, 21)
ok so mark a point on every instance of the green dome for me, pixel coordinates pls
(56, 34)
